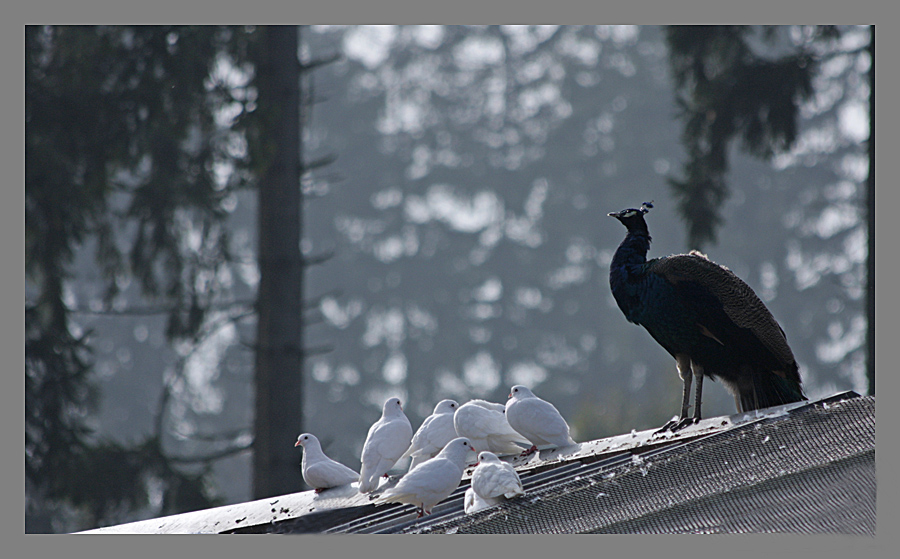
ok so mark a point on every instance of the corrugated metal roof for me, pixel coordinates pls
(804, 467)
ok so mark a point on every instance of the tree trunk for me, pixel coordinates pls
(279, 355)
(870, 216)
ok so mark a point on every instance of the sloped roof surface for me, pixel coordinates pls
(799, 468)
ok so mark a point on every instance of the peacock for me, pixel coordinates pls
(707, 318)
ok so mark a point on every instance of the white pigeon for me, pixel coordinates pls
(473, 503)
(494, 478)
(484, 424)
(388, 438)
(435, 432)
(319, 471)
(537, 420)
(431, 481)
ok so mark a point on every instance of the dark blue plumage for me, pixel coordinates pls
(707, 318)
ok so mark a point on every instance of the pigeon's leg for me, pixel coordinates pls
(530, 451)
(697, 371)
(683, 364)
(421, 511)
(320, 489)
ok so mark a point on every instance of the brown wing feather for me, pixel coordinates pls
(739, 301)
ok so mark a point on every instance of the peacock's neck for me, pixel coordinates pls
(631, 253)
(626, 273)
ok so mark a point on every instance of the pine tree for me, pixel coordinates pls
(124, 135)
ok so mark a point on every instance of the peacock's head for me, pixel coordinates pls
(633, 219)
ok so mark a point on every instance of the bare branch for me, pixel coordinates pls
(318, 259)
(327, 159)
(322, 61)
(217, 437)
(331, 178)
(211, 457)
(318, 350)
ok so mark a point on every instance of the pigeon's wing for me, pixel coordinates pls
(470, 421)
(418, 439)
(329, 473)
(466, 424)
(481, 422)
(495, 480)
(488, 429)
(507, 443)
(504, 439)
(512, 482)
(428, 484)
(507, 482)
(431, 437)
(493, 406)
(389, 440)
(440, 432)
(540, 422)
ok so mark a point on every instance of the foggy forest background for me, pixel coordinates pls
(454, 238)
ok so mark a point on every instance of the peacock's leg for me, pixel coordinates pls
(683, 364)
(697, 371)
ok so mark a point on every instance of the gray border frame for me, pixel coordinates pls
(413, 11)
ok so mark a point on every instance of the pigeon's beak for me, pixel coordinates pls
(297, 443)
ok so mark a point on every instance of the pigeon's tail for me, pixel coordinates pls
(418, 459)
(407, 454)
(507, 444)
(367, 481)
(513, 492)
(390, 496)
